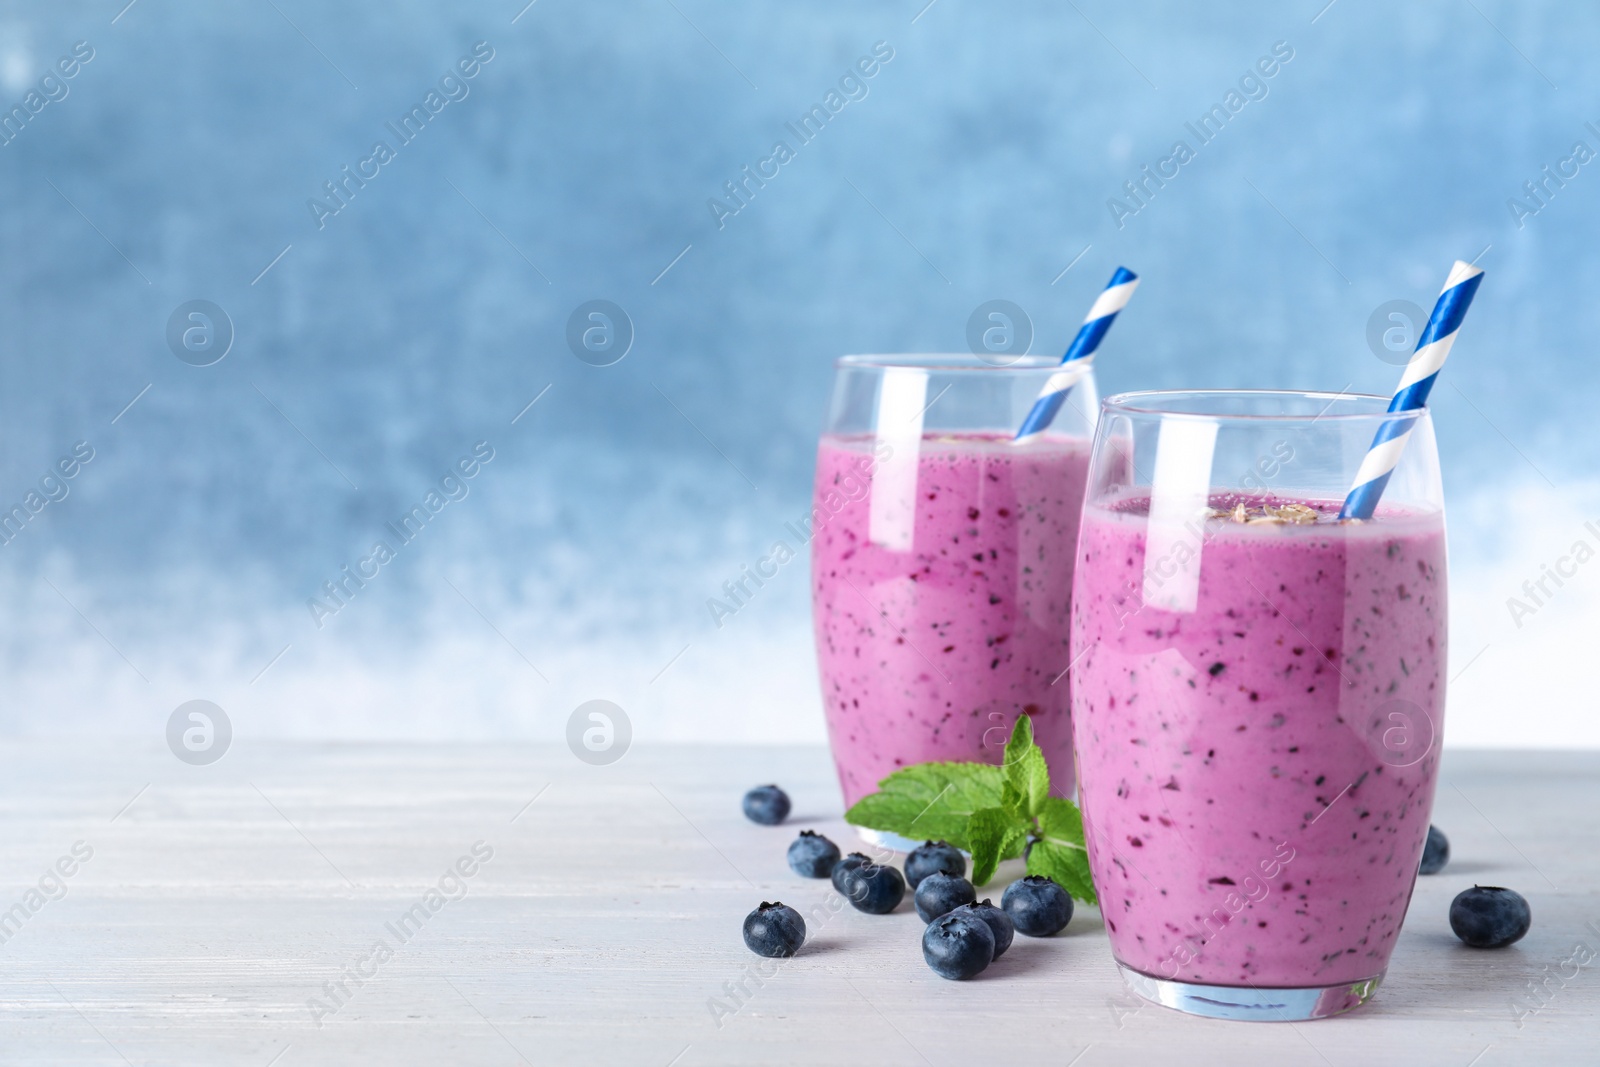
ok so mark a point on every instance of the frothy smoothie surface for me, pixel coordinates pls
(1258, 711)
(941, 592)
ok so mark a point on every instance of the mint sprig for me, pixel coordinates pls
(992, 812)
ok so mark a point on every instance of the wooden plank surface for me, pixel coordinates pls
(605, 927)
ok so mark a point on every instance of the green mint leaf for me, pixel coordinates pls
(929, 801)
(1013, 800)
(1059, 852)
(993, 834)
(1061, 821)
(986, 832)
(1067, 865)
(1027, 778)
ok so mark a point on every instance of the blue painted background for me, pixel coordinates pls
(976, 163)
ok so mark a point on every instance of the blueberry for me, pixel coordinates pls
(874, 888)
(1487, 916)
(844, 867)
(940, 893)
(958, 946)
(931, 856)
(767, 805)
(1436, 853)
(1037, 906)
(774, 930)
(1000, 924)
(812, 855)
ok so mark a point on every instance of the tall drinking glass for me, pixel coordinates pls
(942, 558)
(1258, 695)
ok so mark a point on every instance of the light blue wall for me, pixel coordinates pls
(978, 165)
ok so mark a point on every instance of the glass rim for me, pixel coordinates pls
(944, 362)
(1149, 402)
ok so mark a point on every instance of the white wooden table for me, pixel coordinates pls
(221, 899)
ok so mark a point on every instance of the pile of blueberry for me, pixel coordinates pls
(963, 936)
(1485, 916)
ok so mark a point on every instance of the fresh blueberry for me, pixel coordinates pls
(1000, 924)
(844, 867)
(958, 946)
(774, 930)
(1487, 916)
(1037, 906)
(1436, 853)
(940, 893)
(767, 805)
(812, 855)
(874, 888)
(931, 856)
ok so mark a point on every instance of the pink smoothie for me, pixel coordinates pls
(941, 592)
(1258, 759)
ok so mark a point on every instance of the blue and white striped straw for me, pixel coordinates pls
(1075, 364)
(1412, 393)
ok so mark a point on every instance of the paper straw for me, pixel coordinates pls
(1412, 393)
(1075, 364)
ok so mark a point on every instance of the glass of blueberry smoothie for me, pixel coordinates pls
(942, 559)
(1258, 693)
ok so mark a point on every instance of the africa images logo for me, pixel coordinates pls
(199, 732)
(852, 88)
(452, 88)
